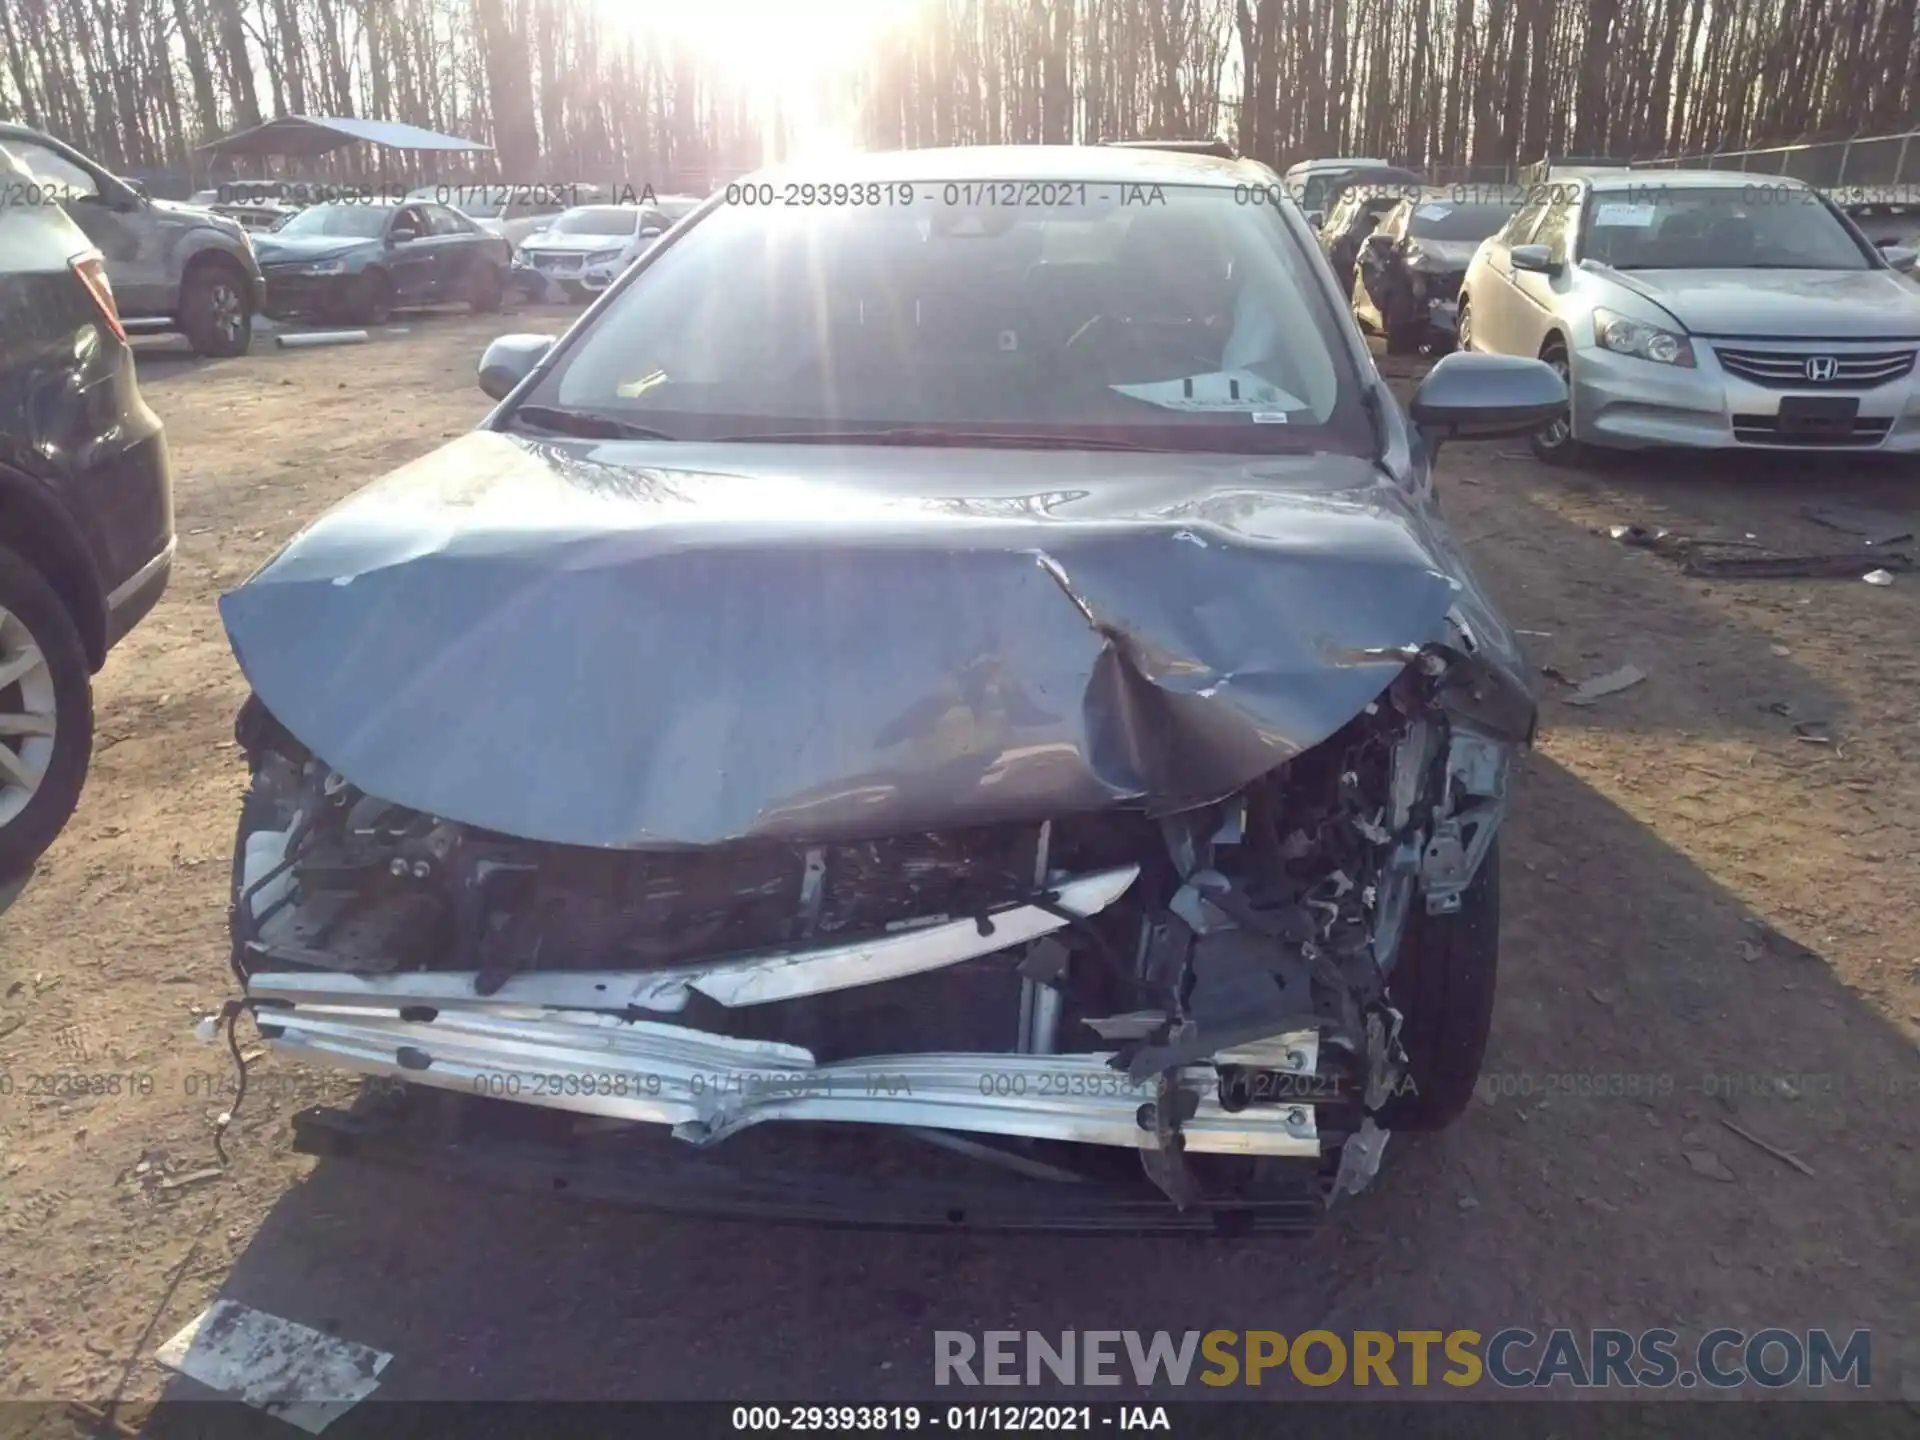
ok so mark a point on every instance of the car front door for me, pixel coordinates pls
(1537, 306)
(1494, 300)
(457, 246)
(410, 257)
(121, 225)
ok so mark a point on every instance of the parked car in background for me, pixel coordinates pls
(511, 211)
(1887, 223)
(1407, 280)
(1701, 308)
(174, 267)
(677, 207)
(586, 249)
(1310, 182)
(1357, 209)
(894, 771)
(86, 506)
(361, 262)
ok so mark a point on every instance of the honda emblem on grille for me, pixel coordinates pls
(1822, 367)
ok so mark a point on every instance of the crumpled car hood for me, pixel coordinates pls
(633, 644)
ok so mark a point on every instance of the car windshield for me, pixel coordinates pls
(1192, 321)
(1752, 227)
(1444, 220)
(597, 220)
(358, 221)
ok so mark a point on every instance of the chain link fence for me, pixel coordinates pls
(1891, 160)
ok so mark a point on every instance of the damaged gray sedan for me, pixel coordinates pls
(957, 706)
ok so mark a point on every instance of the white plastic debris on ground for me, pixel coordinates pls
(300, 1375)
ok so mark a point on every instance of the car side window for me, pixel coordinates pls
(410, 217)
(1556, 230)
(50, 168)
(1516, 230)
(448, 222)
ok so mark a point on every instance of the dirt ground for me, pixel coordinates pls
(1696, 896)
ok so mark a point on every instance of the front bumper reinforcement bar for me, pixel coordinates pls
(710, 1086)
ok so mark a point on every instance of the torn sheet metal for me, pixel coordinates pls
(569, 642)
(709, 1087)
(303, 1376)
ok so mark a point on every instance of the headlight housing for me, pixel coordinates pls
(325, 267)
(604, 257)
(522, 260)
(1637, 338)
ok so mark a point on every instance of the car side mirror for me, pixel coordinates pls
(1316, 218)
(1536, 258)
(1900, 257)
(401, 235)
(138, 187)
(1478, 397)
(651, 234)
(512, 358)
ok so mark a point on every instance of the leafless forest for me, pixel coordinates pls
(572, 87)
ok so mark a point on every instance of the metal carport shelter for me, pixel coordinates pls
(307, 136)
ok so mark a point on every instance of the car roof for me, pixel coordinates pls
(1616, 179)
(1347, 162)
(1092, 164)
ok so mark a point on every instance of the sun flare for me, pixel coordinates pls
(797, 58)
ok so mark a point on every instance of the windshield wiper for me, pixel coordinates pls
(957, 439)
(584, 423)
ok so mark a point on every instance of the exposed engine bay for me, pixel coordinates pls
(1202, 986)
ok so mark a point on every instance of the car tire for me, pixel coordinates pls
(1463, 325)
(216, 314)
(35, 623)
(1442, 983)
(372, 298)
(486, 288)
(1555, 445)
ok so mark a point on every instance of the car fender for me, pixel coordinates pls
(1598, 286)
(195, 241)
(34, 522)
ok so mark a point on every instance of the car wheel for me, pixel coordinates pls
(46, 714)
(1554, 443)
(486, 288)
(1442, 985)
(1463, 326)
(372, 298)
(215, 313)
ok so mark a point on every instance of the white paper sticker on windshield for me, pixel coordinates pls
(1635, 216)
(1226, 390)
(1433, 212)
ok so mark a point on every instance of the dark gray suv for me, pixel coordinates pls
(86, 507)
(173, 267)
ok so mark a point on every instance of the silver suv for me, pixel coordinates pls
(173, 267)
(1704, 309)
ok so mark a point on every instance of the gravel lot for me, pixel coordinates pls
(1696, 897)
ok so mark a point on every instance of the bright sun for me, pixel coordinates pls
(794, 56)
